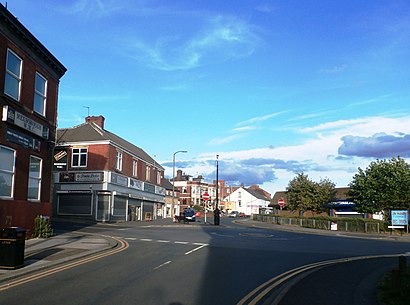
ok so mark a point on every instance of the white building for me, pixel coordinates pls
(247, 201)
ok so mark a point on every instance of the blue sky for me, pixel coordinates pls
(273, 87)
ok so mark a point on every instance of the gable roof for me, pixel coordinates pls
(91, 132)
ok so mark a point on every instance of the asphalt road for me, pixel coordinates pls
(194, 264)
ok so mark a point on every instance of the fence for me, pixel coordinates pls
(325, 224)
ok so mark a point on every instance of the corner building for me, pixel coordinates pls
(29, 81)
(101, 177)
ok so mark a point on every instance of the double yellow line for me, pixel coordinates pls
(122, 246)
(256, 295)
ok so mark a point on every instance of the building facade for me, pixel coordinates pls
(247, 200)
(29, 82)
(102, 177)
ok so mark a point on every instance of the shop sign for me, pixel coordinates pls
(60, 159)
(135, 184)
(88, 177)
(14, 117)
(22, 139)
(117, 179)
(81, 177)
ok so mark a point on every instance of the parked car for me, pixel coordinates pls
(241, 214)
(233, 214)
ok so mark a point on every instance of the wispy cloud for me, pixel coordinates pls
(91, 8)
(260, 118)
(245, 128)
(224, 39)
(373, 100)
(219, 141)
(334, 70)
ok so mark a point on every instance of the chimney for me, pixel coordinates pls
(99, 120)
(179, 175)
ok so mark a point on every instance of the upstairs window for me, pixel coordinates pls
(118, 162)
(7, 171)
(40, 93)
(148, 173)
(79, 157)
(34, 179)
(135, 168)
(12, 82)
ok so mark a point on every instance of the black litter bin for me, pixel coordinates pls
(12, 243)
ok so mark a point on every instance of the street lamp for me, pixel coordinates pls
(173, 182)
(216, 212)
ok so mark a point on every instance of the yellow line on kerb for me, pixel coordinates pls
(123, 245)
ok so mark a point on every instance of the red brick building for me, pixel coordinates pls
(29, 81)
(102, 177)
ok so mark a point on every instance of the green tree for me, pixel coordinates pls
(383, 185)
(304, 194)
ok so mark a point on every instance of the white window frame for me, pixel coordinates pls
(79, 153)
(118, 161)
(148, 173)
(36, 179)
(41, 95)
(8, 172)
(135, 168)
(14, 76)
(158, 177)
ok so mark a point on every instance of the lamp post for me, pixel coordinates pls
(216, 212)
(173, 182)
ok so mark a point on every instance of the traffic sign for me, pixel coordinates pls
(205, 196)
(281, 202)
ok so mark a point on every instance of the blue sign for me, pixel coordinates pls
(399, 218)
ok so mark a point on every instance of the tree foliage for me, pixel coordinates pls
(304, 194)
(383, 185)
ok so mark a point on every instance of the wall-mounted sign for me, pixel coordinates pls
(118, 179)
(22, 139)
(14, 117)
(60, 159)
(136, 184)
(88, 177)
(81, 177)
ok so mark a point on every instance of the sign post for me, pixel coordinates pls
(205, 197)
(281, 203)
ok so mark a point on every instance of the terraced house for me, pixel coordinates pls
(29, 82)
(102, 177)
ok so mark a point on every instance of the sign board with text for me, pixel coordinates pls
(399, 217)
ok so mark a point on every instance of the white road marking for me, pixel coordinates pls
(130, 238)
(163, 241)
(145, 239)
(196, 249)
(181, 242)
(162, 265)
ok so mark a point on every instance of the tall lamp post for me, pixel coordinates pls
(216, 212)
(173, 182)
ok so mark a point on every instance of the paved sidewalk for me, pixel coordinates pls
(44, 253)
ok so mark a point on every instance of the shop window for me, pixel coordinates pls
(79, 157)
(34, 178)
(13, 75)
(7, 171)
(40, 94)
